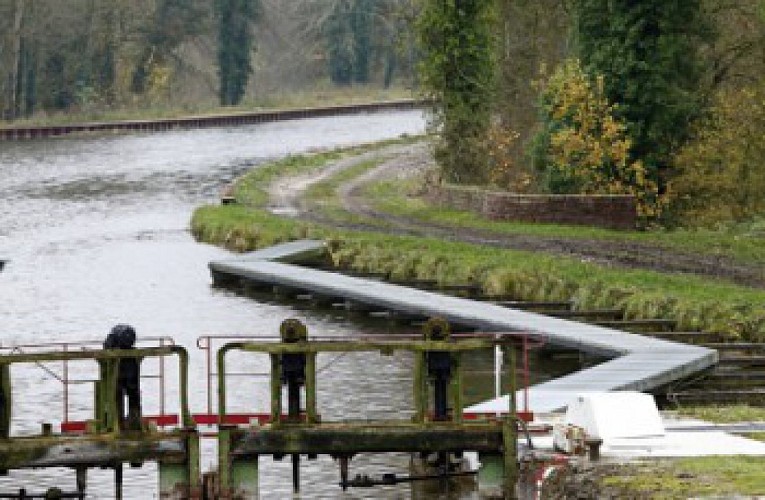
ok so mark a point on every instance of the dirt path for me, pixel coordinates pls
(408, 160)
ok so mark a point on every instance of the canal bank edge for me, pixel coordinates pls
(693, 302)
(203, 121)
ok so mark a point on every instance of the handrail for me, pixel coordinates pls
(311, 347)
(163, 341)
(112, 354)
(206, 343)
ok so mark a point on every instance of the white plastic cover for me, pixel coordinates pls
(609, 415)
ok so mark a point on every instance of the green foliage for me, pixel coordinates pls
(532, 34)
(648, 54)
(235, 46)
(240, 229)
(457, 72)
(721, 173)
(362, 32)
(173, 22)
(724, 414)
(348, 34)
(702, 477)
(695, 303)
(583, 147)
(339, 40)
(504, 170)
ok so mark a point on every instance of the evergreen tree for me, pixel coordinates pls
(648, 53)
(340, 45)
(361, 24)
(348, 31)
(458, 71)
(235, 45)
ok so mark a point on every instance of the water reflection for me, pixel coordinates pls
(96, 232)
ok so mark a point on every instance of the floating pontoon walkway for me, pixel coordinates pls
(637, 362)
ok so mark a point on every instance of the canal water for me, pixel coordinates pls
(96, 233)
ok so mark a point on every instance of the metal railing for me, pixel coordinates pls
(42, 354)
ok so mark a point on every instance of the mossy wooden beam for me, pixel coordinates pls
(350, 439)
(92, 451)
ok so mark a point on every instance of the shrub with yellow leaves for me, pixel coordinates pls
(583, 148)
(505, 172)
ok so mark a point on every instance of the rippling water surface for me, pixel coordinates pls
(96, 231)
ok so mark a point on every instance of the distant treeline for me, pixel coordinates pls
(75, 55)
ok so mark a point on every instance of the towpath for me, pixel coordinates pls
(402, 161)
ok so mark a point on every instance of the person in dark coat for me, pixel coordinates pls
(128, 377)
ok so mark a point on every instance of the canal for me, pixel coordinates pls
(96, 233)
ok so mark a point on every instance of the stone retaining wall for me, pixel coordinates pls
(607, 211)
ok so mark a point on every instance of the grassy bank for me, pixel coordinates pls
(707, 477)
(695, 303)
(744, 243)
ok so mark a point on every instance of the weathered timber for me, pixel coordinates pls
(733, 380)
(107, 442)
(755, 397)
(335, 439)
(437, 384)
(639, 325)
(729, 359)
(589, 314)
(528, 304)
(92, 450)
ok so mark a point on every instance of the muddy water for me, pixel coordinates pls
(96, 233)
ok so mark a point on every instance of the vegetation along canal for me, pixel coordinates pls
(95, 230)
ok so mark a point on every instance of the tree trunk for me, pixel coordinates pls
(15, 90)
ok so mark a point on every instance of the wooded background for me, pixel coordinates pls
(659, 99)
(59, 55)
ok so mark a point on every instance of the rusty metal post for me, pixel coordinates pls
(222, 385)
(276, 389)
(510, 456)
(420, 388)
(161, 379)
(118, 480)
(65, 381)
(183, 385)
(193, 464)
(82, 480)
(6, 401)
(224, 460)
(456, 389)
(312, 416)
(510, 434)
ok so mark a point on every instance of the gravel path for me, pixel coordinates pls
(401, 161)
